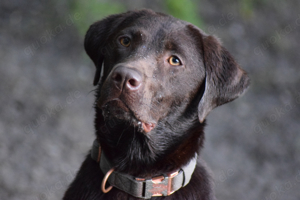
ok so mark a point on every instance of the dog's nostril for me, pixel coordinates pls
(134, 83)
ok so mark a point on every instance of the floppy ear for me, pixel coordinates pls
(95, 42)
(225, 80)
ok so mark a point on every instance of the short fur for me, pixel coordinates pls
(176, 99)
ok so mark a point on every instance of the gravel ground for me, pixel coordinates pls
(46, 128)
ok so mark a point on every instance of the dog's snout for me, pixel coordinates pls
(124, 77)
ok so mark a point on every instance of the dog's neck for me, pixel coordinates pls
(147, 187)
(143, 155)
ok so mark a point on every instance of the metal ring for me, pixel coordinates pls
(105, 180)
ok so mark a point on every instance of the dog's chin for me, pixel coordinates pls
(117, 111)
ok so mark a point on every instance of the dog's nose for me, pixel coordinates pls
(124, 77)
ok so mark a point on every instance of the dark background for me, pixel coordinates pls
(46, 128)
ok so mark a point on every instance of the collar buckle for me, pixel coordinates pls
(160, 185)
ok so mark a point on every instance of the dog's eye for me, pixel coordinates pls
(173, 60)
(125, 41)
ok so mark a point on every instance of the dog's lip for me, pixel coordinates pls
(146, 126)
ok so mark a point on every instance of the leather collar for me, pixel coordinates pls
(163, 185)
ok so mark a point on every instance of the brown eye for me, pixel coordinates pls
(125, 41)
(173, 60)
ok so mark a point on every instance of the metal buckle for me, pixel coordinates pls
(160, 185)
(170, 178)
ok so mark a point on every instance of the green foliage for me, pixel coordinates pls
(92, 11)
(185, 10)
(246, 7)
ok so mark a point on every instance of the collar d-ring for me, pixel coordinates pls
(104, 190)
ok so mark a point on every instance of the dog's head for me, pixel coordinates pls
(152, 67)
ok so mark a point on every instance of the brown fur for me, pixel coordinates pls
(174, 99)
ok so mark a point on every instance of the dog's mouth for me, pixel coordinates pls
(116, 108)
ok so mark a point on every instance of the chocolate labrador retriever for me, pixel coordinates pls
(157, 78)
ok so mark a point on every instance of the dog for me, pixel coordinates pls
(157, 79)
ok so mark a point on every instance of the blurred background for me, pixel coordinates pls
(46, 104)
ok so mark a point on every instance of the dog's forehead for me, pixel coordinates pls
(157, 25)
(159, 33)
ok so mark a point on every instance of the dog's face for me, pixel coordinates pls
(153, 68)
(150, 69)
(157, 78)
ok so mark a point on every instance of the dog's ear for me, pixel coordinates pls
(224, 80)
(96, 38)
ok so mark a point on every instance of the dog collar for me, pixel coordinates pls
(163, 185)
